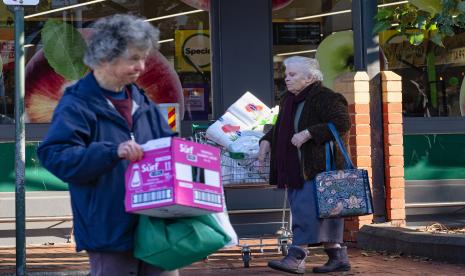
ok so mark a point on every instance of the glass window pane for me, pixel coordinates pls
(6, 65)
(427, 91)
(299, 28)
(181, 74)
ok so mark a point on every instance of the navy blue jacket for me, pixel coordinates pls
(81, 149)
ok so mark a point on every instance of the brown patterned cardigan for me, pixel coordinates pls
(321, 106)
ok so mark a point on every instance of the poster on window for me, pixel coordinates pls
(7, 51)
(196, 102)
(6, 17)
(192, 50)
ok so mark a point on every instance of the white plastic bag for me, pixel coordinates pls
(246, 144)
(223, 221)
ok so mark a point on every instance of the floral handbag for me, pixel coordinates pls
(342, 193)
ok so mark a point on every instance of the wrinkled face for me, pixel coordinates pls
(127, 68)
(296, 79)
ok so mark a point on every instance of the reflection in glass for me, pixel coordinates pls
(48, 63)
(424, 95)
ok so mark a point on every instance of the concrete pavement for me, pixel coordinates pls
(61, 259)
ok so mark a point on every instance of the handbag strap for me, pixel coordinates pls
(338, 139)
(330, 156)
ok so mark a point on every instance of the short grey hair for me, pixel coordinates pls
(113, 35)
(310, 66)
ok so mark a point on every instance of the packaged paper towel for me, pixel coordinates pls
(226, 129)
(250, 110)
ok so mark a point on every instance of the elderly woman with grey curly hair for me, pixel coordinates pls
(297, 155)
(97, 128)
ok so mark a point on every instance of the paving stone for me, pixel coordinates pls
(61, 259)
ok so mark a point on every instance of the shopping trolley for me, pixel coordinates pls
(241, 170)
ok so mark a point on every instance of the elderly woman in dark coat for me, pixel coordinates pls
(297, 156)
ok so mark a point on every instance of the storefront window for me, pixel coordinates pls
(422, 94)
(302, 25)
(299, 28)
(180, 75)
(6, 64)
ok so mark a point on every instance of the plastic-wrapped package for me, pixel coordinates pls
(247, 144)
(226, 129)
(250, 109)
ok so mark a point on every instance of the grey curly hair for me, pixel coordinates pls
(113, 35)
(310, 66)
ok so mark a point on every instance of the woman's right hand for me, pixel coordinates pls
(130, 150)
(263, 154)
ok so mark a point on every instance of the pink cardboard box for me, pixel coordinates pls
(176, 178)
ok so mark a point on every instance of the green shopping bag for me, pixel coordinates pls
(174, 243)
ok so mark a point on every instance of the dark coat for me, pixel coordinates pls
(81, 149)
(322, 105)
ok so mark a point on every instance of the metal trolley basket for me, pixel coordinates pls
(238, 170)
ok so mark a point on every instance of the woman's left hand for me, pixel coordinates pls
(300, 138)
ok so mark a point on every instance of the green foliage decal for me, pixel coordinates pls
(64, 49)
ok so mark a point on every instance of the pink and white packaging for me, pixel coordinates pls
(249, 109)
(225, 130)
(176, 178)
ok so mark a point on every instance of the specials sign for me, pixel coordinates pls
(192, 48)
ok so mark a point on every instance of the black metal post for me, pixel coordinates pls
(237, 65)
(359, 41)
(215, 41)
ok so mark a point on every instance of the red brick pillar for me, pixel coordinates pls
(356, 89)
(393, 147)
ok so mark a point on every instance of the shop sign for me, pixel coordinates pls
(21, 2)
(400, 52)
(401, 55)
(456, 55)
(192, 48)
(194, 98)
(196, 101)
(291, 33)
(63, 3)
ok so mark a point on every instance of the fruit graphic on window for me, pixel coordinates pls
(45, 86)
